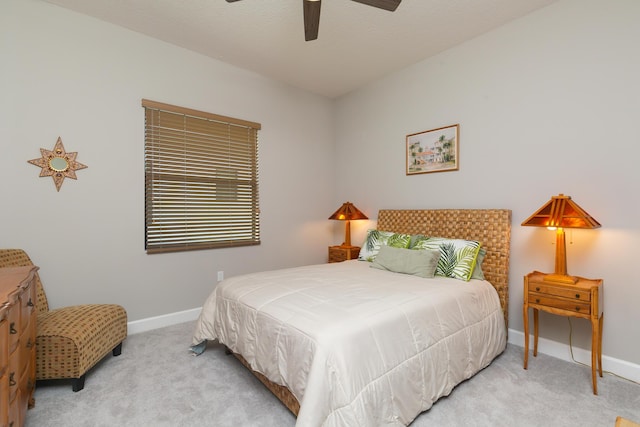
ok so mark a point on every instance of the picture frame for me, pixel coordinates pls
(435, 150)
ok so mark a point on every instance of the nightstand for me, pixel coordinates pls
(343, 253)
(581, 299)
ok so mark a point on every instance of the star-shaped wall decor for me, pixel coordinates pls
(58, 164)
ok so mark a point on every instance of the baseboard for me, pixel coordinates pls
(150, 323)
(562, 351)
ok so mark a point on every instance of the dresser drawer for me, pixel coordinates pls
(561, 291)
(4, 345)
(15, 411)
(26, 347)
(13, 374)
(4, 403)
(27, 307)
(575, 305)
(25, 387)
(13, 317)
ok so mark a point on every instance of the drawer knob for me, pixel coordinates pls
(537, 300)
(12, 328)
(578, 296)
(577, 308)
(12, 382)
(538, 289)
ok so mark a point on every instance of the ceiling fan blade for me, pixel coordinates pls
(389, 5)
(311, 19)
(311, 11)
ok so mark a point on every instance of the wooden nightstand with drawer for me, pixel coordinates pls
(581, 299)
(343, 253)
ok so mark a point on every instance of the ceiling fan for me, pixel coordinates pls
(312, 13)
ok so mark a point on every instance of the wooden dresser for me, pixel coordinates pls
(17, 343)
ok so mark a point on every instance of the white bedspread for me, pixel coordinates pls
(357, 346)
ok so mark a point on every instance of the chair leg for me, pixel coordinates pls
(78, 383)
(117, 350)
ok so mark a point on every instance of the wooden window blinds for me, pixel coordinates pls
(201, 180)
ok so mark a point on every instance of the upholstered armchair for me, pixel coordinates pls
(71, 340)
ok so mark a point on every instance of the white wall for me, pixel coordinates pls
(547, 104)
(68, 75)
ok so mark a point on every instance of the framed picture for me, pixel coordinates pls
(433, 150)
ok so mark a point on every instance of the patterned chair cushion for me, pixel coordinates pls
(71, 340)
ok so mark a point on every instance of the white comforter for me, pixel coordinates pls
(355, 345)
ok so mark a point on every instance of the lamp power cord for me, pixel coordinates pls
(584, 364)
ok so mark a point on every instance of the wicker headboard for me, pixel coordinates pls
(491, 227)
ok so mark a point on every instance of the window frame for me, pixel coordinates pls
(201, 180)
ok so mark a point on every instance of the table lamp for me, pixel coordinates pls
(559, 213)
(346, 213)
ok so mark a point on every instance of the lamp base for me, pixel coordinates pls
(560, 278)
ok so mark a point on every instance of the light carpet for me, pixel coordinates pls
(157, 382)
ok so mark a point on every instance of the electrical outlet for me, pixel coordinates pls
(220, 276)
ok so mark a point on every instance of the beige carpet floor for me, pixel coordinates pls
(157, 382)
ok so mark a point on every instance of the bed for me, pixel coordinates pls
(348, 345)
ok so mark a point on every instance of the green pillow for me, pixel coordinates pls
(407, 261)
(457, 256)
(376, 238)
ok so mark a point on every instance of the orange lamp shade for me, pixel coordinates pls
(347, 212)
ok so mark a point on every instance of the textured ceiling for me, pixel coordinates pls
(357, 44)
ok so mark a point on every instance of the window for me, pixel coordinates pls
(201, 180)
